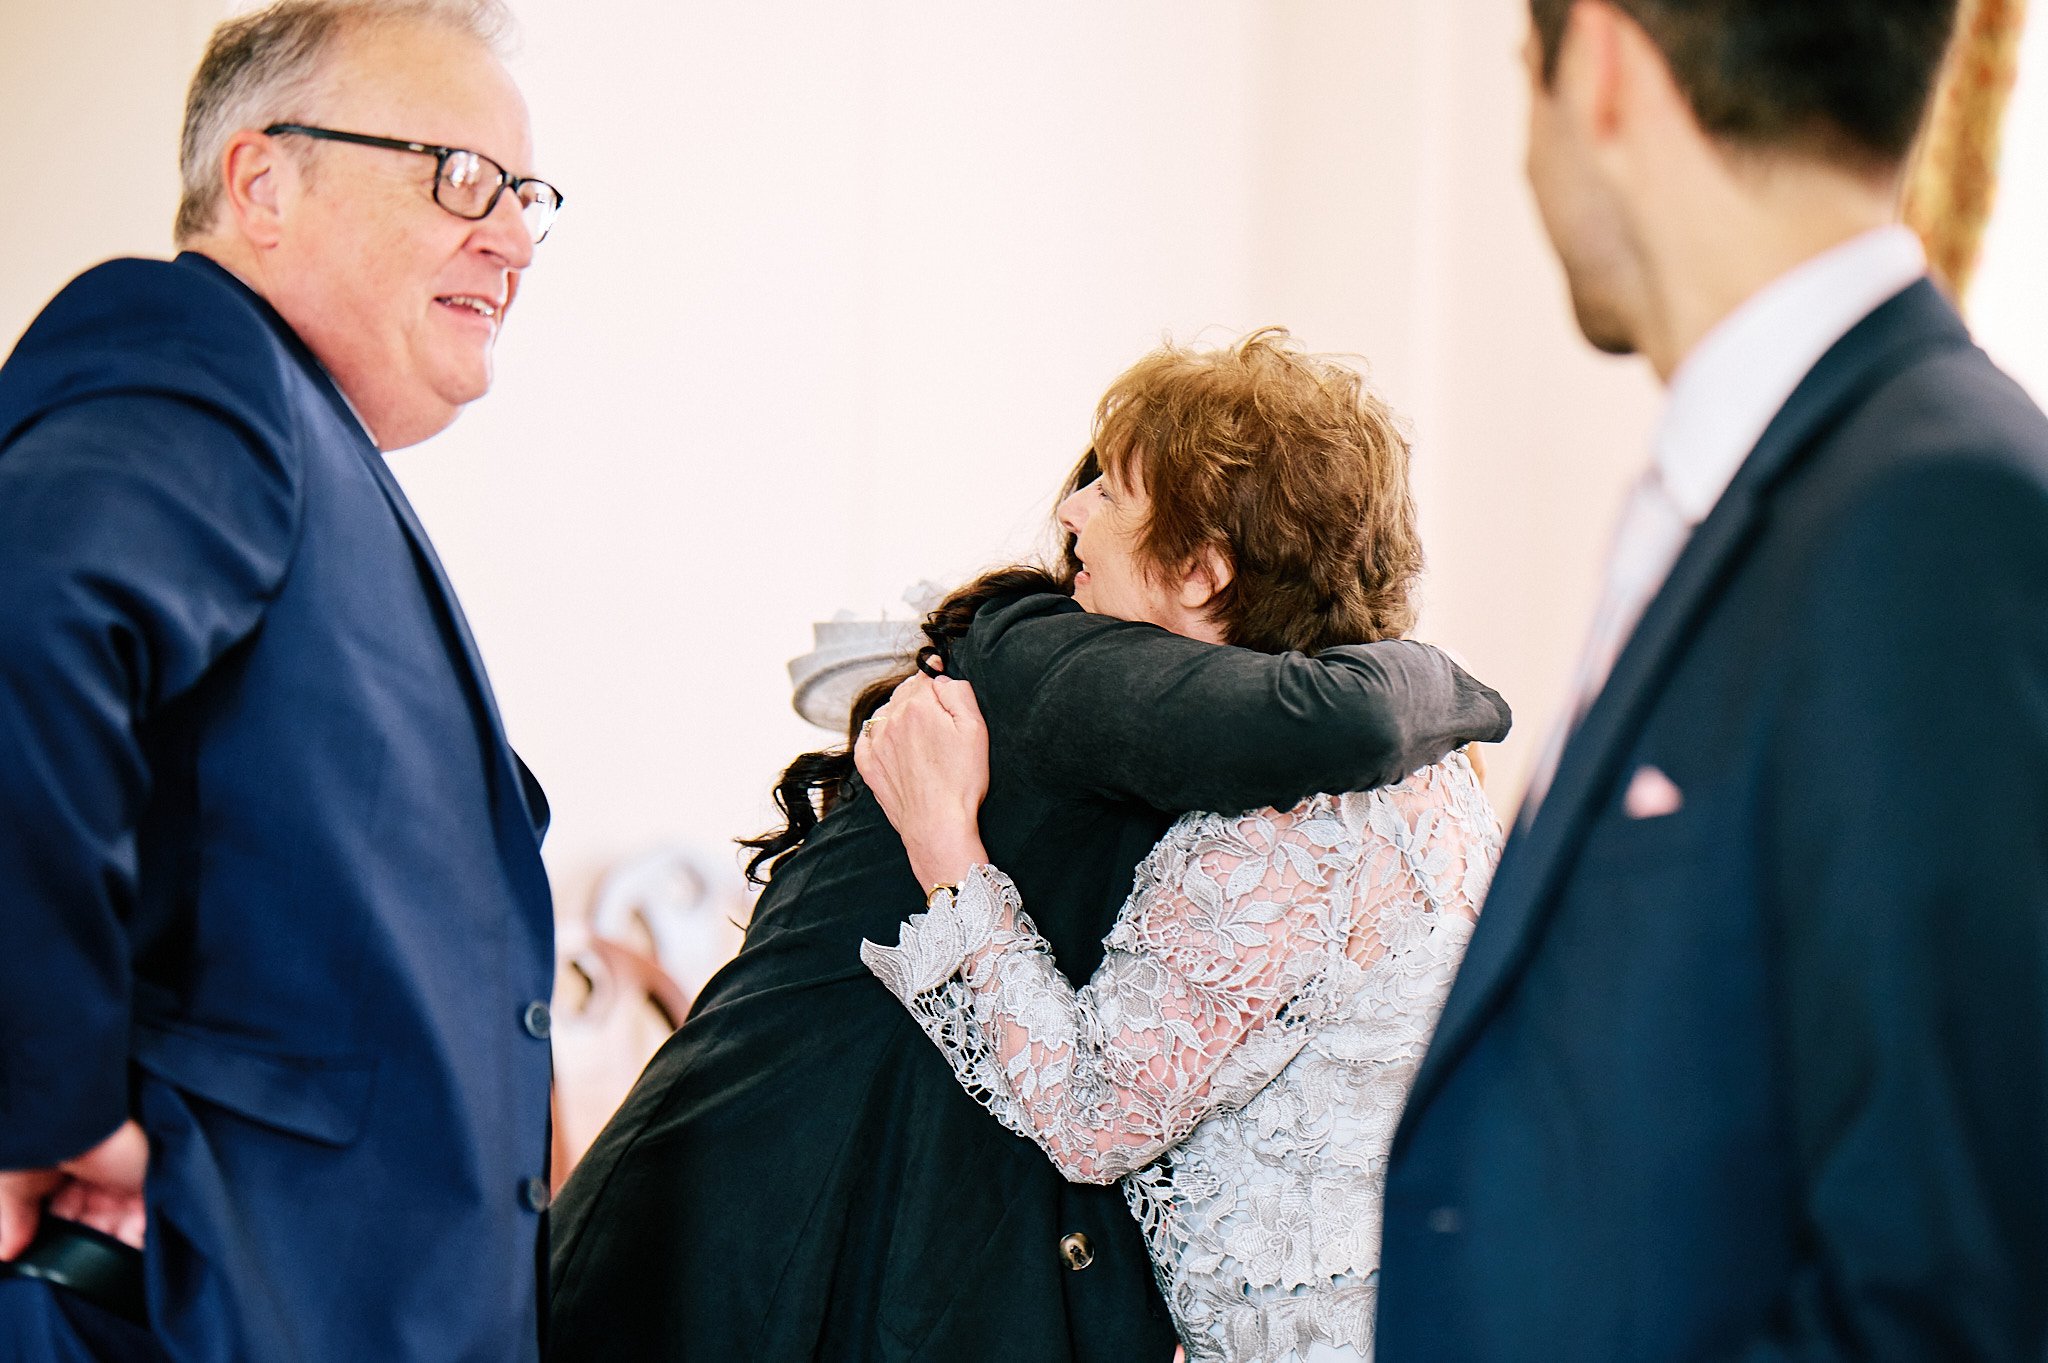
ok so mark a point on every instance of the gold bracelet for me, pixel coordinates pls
(931, 899)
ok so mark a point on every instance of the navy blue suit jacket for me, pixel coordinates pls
(269, 873)
(1767, 1078)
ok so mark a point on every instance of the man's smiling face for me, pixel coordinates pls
(400, 299)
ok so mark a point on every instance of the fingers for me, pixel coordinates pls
(101, 1188)
(913, 708)
(132, 1229)
(957, 699)
(864, 759)
(118, 1164)
(21, 1207)
(909, 692)
(70, 1202)
(18, 1221)
(910, 686)
(121, 1215)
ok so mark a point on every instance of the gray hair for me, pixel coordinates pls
(266, 67)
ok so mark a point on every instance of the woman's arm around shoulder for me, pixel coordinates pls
(1099, 706)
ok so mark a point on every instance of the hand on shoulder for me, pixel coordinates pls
(925, 757)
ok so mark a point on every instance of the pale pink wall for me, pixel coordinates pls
(2009, 301)
(839, 284)
(90, 99)
(1396, 225)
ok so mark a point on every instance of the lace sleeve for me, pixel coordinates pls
(1213, 973)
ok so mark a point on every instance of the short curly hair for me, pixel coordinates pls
(1287, 463)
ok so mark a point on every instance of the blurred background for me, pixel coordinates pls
(836, 288)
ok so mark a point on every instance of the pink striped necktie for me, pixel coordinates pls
(1651, 534)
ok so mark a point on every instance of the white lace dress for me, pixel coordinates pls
(1242, 1055)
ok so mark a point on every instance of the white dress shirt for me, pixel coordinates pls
(1724, 395)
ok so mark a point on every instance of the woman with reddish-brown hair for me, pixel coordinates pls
(797, 1175)
(1241, 1055)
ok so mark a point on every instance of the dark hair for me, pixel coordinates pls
(812, 784)
(1847, 80)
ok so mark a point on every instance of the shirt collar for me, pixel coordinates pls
(325, 373)
(1728, 389)
(349, 403)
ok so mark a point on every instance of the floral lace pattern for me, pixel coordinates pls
(1241, 1058)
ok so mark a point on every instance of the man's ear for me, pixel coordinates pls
(1208, 573)
(1619, 78)
(254, 171)
(1589, 57)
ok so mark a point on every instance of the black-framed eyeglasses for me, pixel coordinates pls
(466, 183)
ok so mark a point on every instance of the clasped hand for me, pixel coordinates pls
(101, 1188)
(925, 757)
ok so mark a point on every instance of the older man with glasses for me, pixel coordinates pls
(275, 938)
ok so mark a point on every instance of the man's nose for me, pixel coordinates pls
(503, 232)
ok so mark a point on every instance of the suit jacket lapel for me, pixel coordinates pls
(512, 783)
(430, 563)
(1537, 856)
(510, 774)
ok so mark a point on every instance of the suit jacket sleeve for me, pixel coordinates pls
(1108, 707)
(140, 536)
(1911, 864)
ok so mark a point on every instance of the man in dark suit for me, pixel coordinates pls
(1749, 1057)
(275, 921)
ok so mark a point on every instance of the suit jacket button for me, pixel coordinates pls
(1076, 1250)
(534, 1193)
(538, 1021)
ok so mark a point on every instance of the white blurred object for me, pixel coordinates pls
(613, 1008)
(683, 906)
(660, 926)
(849, 654)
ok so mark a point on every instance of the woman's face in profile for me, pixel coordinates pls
(1107, 518)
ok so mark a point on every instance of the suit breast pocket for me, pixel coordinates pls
(1655, 820)
(1626, 849)
(1654, 911)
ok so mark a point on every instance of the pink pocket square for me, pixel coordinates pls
(1651, 795)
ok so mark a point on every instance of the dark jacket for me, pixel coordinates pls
(1766, 1078)
(798, 1176)
(269, 874)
